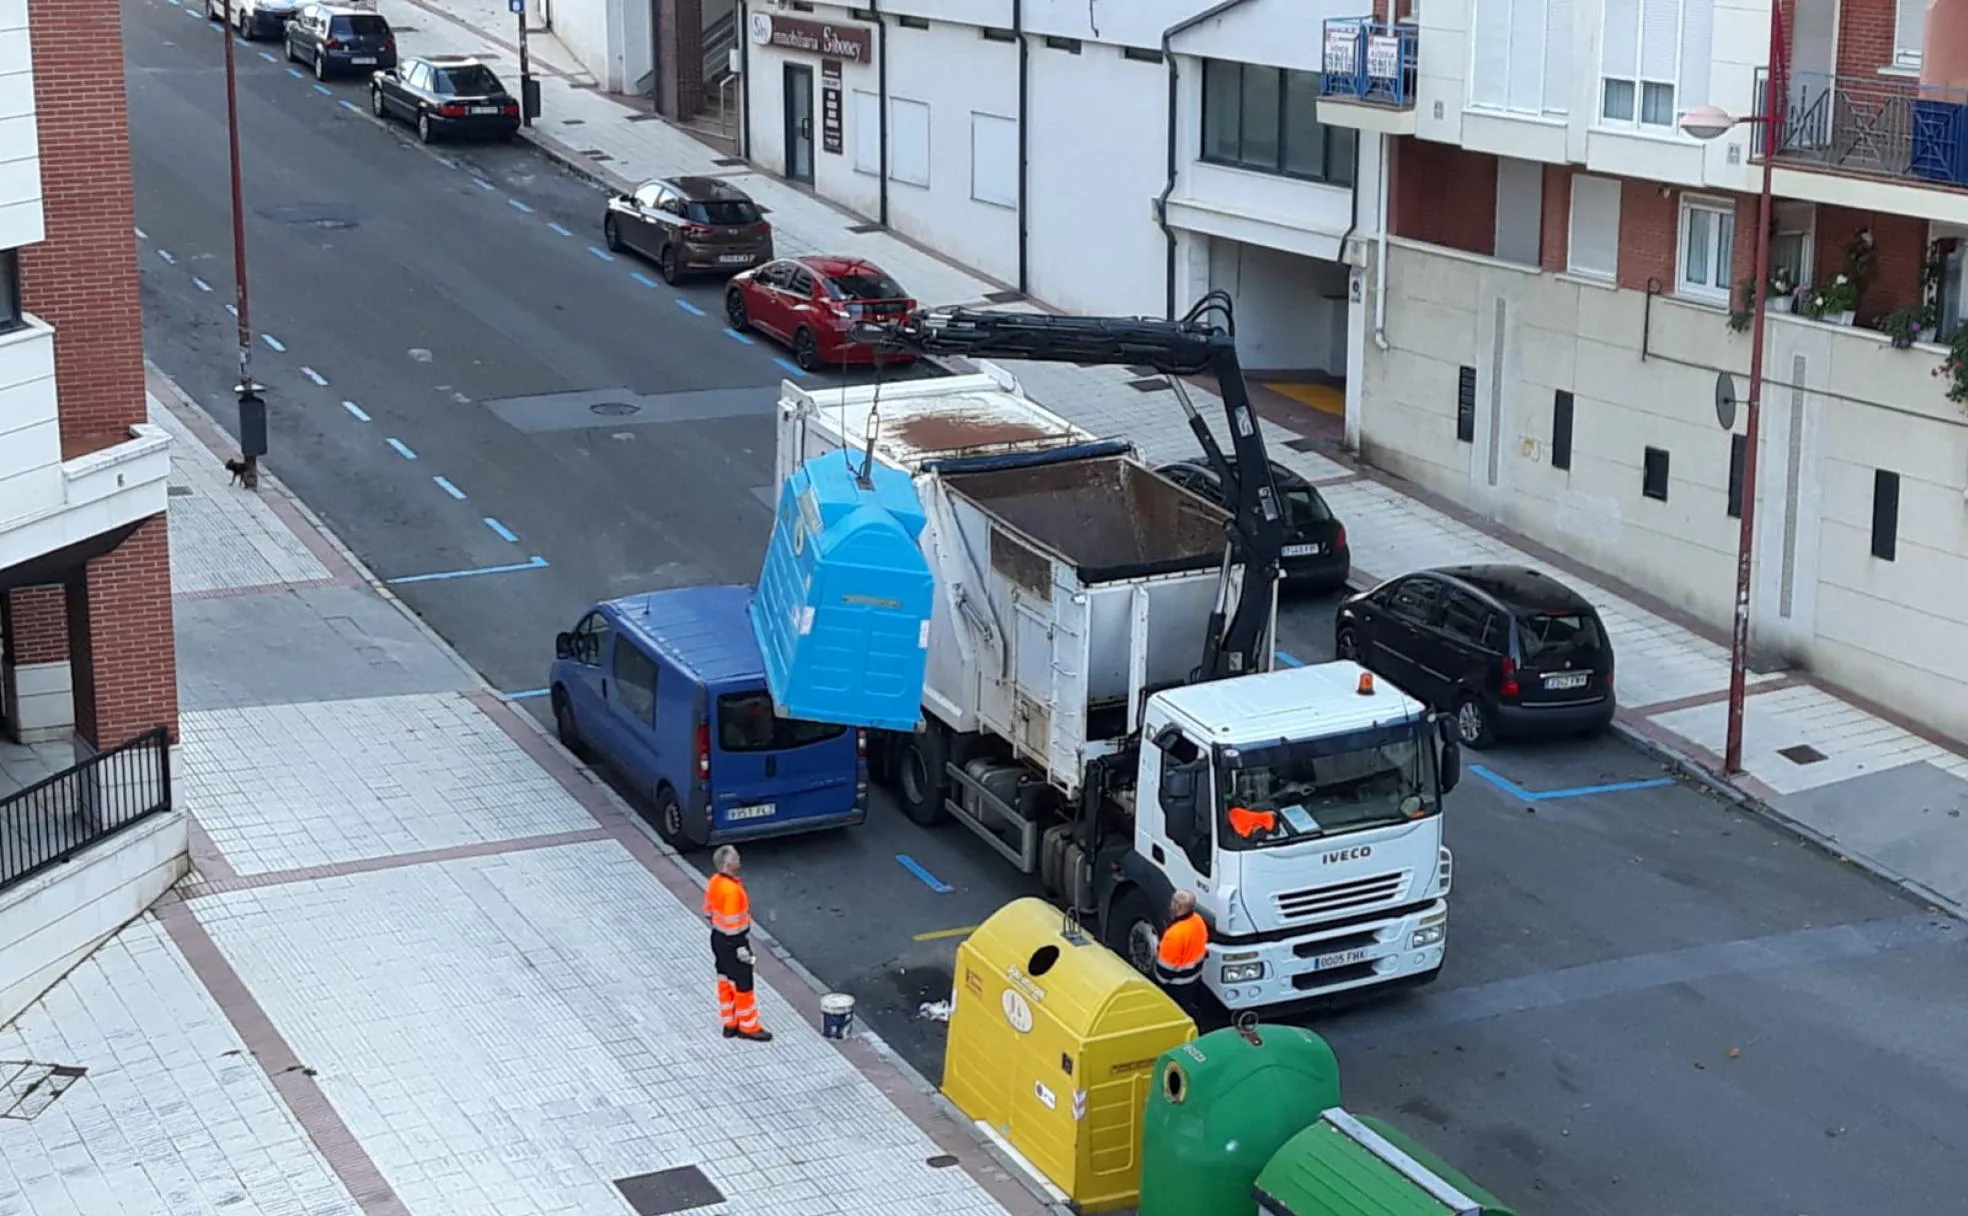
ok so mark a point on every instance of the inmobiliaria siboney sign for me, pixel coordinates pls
(849, 42)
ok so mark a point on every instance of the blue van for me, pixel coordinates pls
(669, 689)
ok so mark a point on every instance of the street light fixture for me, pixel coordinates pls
(1705, 123)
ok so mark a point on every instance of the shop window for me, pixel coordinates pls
(1653, 474)
(1267, 119)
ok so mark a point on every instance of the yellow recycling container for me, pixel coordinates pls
(1053, 1042)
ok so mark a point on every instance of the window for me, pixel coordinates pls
(1070, 45)
(1141, 55)
(800, 283)
(1654, 61)
(908, 142)
(994, 160)
(725, 212)
(635, 682)
(1415, 600)
(1708, 247)
(1592, 244)
(865, 123)
(1738, 450)
(1909, 29)
(869, 285)
(589, 636)
(1653, 474)
(1561, 429)
(474, 80)
(747, 723)
(10, 293)
(1885, 515)
(912, 23)
(1521, 56)
(1792, 238)
(1267, 119)
(1466, 405)
(1464, 616)
(994, 35)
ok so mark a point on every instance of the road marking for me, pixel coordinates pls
(269, 56)
(1288, 660)
(200, 284)
(794, 368)
(324, 90)
(558, 228)
(444, 484)
(141, 234)
(929, 880)
(944, 934)
(355, 409)
(448, 163)
(233, 309)
(527, 694)
(1517, 791)
(642, 278)
(296, 73)
(482, 184)
(535, 563)
(346, 104)
(238, 42)
(168, 259)
(737, 337)
(315, 376)
(601, 253)
(516, 205)
(505, 533)
(274, 342)
(688, 307)
(401, 448)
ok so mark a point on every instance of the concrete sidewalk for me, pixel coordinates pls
(1846, 775)
(425, 965)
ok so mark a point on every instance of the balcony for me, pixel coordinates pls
(1900, 134)
(1369, 78)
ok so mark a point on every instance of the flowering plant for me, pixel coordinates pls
(1905, 326)
(1838, 296)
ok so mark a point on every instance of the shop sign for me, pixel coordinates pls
(830, 107)
(849, 42)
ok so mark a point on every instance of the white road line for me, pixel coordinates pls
(315, 376)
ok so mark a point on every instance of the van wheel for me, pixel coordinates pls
(1473, 723)
(669, 822)
(564, 724)
(1130, 931)
(921, 777)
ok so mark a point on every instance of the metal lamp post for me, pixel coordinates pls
(1706, 123)
(252, 405)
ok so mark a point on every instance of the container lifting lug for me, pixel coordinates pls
(1247, 1026)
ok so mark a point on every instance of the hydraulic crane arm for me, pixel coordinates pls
(1239, 638)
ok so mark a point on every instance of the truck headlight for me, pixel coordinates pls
(1427, 936)
(1242, 973)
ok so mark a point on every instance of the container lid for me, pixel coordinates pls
(1347, 1166)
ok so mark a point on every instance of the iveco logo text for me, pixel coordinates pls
(1365, 850)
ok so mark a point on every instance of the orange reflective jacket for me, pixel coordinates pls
(727, 906)
(1185, 943)
(1247, 823)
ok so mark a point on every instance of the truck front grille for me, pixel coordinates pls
(1342, 897)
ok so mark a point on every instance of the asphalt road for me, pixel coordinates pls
(1652, 1004)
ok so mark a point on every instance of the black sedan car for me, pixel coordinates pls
(445, 95)
(334, 39)
(1316, 557)
(1509, 651)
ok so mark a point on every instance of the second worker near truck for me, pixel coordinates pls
(1179, 957)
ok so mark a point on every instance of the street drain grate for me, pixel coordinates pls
(1303, 444)
(1154, 385)
(178, 491)
(28, 1088)
(942, 1161)
(863, 229)
(1803, 753)
(596, 154)
(614, 409)
(1141, 369)
(650, 118)
(1003, 297)
(668, 1191)
(573, 122)
(726, 161)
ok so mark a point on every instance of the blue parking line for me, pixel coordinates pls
(688, 307)
(557, 228)
(1288, 660)
(1517, 791)
(929, 880)
(353, 408)
(527, 694)
(642, 278)
(444, 484)
(324, 90)
(536, 562)
(296, 73)
(402, 449)
(516, 205)
(793, 368)
(504, 533)
(737, 337)
(601, 253)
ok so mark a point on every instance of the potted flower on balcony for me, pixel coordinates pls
(1908, 325)
(1778, 297)
(1836, 302)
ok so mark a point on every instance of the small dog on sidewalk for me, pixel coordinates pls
(242, 473)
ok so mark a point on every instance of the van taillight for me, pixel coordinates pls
(1509, 688)
(861, 744)
(703, 752)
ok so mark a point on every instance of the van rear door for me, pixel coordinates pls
(1566, 657)
(768, 769)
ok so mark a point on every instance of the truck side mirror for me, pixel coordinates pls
(1451, 766)
(563, 645)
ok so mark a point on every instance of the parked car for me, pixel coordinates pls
(445, 95)
(334, 39)
(668, 688)
(1510, 652)
(689, 225)
(253, 19)
(1316, 557)
(812, 304)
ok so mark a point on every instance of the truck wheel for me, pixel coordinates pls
(669, 822)
(1130, 932)
(921, 777)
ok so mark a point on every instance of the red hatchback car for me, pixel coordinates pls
(812, 303)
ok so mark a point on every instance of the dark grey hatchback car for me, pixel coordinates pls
(1508, 651)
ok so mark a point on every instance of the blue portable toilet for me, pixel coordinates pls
(843, 603)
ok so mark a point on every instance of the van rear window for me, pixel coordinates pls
(747, 723)
(1574, 635)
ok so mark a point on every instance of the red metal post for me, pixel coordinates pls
(250, 473)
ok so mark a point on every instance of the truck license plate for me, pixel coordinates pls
(1345, 958)
(1570, 679)
(1300, 550)
(764, 810)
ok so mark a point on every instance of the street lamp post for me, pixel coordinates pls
(1705, 123)
(252, 405)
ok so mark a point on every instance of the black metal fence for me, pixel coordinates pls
(51, 821)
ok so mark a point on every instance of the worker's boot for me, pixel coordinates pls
(730, 1032)
(755, 1036)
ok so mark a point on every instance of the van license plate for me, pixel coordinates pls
(1570, 679)
(1345, 958)
(1300, 550)
(764, 810)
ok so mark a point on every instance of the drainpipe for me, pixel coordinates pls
(881, 100)
(1380, 260)
(1174, 109)
(1024, 171)
(745, 80)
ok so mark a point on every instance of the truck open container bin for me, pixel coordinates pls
(1052, 1047)
(1348, 1165)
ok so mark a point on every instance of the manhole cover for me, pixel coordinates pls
(668, 1191)
(178, 491)
(28, 1088)
(614, 409)
(1803, 753)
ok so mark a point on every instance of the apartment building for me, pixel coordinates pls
(1560, 303)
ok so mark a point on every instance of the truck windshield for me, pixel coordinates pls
(1288, 792)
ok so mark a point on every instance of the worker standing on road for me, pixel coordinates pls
(729, 910)
(1179, 959)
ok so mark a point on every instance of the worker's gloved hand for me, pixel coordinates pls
(745, 955)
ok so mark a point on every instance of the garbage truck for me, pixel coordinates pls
(1100, 705)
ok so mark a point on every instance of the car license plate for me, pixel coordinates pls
(764, 810)
(733, 259)
(1300, 550)
(363, 61)
(1345, 958)
(1570, 679)
(485, 109)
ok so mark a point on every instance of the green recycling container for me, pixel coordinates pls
(1220, 1107)
(1356, 1165)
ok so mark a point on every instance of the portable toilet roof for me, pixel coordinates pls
(1345, 1165)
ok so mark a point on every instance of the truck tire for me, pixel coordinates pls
(1131, 931)
(920, 778)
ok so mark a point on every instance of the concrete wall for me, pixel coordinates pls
(611, 39)
(20, 149)
(1291, 310)
(852, 178)
(30, 425)
(1840, 404)
(54, 920)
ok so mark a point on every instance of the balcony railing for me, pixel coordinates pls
(1370, 61)
(1880, 128)
(51, 821)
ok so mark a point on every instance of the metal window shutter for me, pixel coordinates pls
(1594, 233)
(1621, 47)
(1490, 65)
(1660, 38)
(1558, 56)
(1910, 30)
(1527, 62)
(1697, 40)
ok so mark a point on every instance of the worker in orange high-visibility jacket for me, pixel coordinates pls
(1179, 958)
(729, 910)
